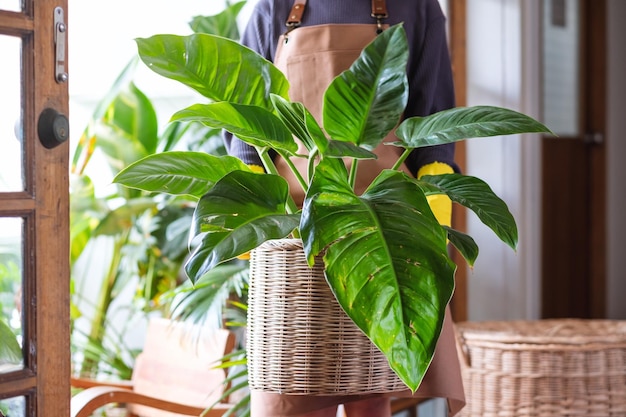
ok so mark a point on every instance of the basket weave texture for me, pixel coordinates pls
(561, 367)
(300, 341)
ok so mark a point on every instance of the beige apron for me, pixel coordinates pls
(311, 58)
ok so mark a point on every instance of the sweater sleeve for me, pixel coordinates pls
(432, 90)
(257, 36)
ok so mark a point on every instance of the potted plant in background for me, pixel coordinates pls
(384, 254)
(129, 244)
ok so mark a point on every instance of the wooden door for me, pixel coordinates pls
(573, 242)
(34, 209)
(457, 21)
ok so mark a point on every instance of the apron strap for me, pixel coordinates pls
(295, 15)
(379, 9)
(379, 12)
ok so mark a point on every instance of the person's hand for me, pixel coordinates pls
(440, 204)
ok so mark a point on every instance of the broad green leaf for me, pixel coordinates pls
(476, 195)
(218, 68)
(128, 131)
(386, 262)
(178, 173)
(221, 24)
(364, 103)
(464, 123)
(122, 218)
(80, 234)
(85, 213)
(82, 151)
(10, 350)
(173, 133)
(316, 132)
(465, 245)
(133, 112)
(296, 118)
(339, 149)
(252, 124)
(118, 146)
(239, 213)
(200, 137)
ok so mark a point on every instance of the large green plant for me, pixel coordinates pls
(385, 254)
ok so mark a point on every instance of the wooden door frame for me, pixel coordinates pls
(53, 264)
(595, 43)
(44, 206)
(457, 38)
(574, 247)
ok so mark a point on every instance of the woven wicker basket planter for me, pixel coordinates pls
(300, 341)
(544, 368)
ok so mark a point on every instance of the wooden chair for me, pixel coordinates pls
(174, 375)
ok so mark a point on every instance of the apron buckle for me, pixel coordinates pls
(290, 26)
(379, 21)
(295, 16)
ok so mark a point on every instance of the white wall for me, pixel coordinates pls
(101, 43)
(616, 154)
(504, 69)
(504, 283)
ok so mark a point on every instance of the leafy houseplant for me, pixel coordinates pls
(385, 255)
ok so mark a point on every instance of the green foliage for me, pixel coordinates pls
(223, 23)
(461, 123)
(10, 283)
(385, 254)
(122, 237)
(191, 302)
(124, 131)
(10, 350)
(355, 109)
(209, 71)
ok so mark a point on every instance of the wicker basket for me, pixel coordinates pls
(300, 341)
(544, 368)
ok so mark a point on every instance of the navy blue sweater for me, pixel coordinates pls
(429, 70)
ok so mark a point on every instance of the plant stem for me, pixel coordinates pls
(311, 165)
(295, 172)
(353, 171)
(270, 168)
(400, 161)
(150, 278)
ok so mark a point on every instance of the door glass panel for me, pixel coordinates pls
(561, 67)
(11, 173)
(11, 5)
(13, 407)
(11, 356)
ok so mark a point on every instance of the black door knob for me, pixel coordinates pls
(53, 128)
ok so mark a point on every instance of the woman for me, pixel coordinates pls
(312, 42)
